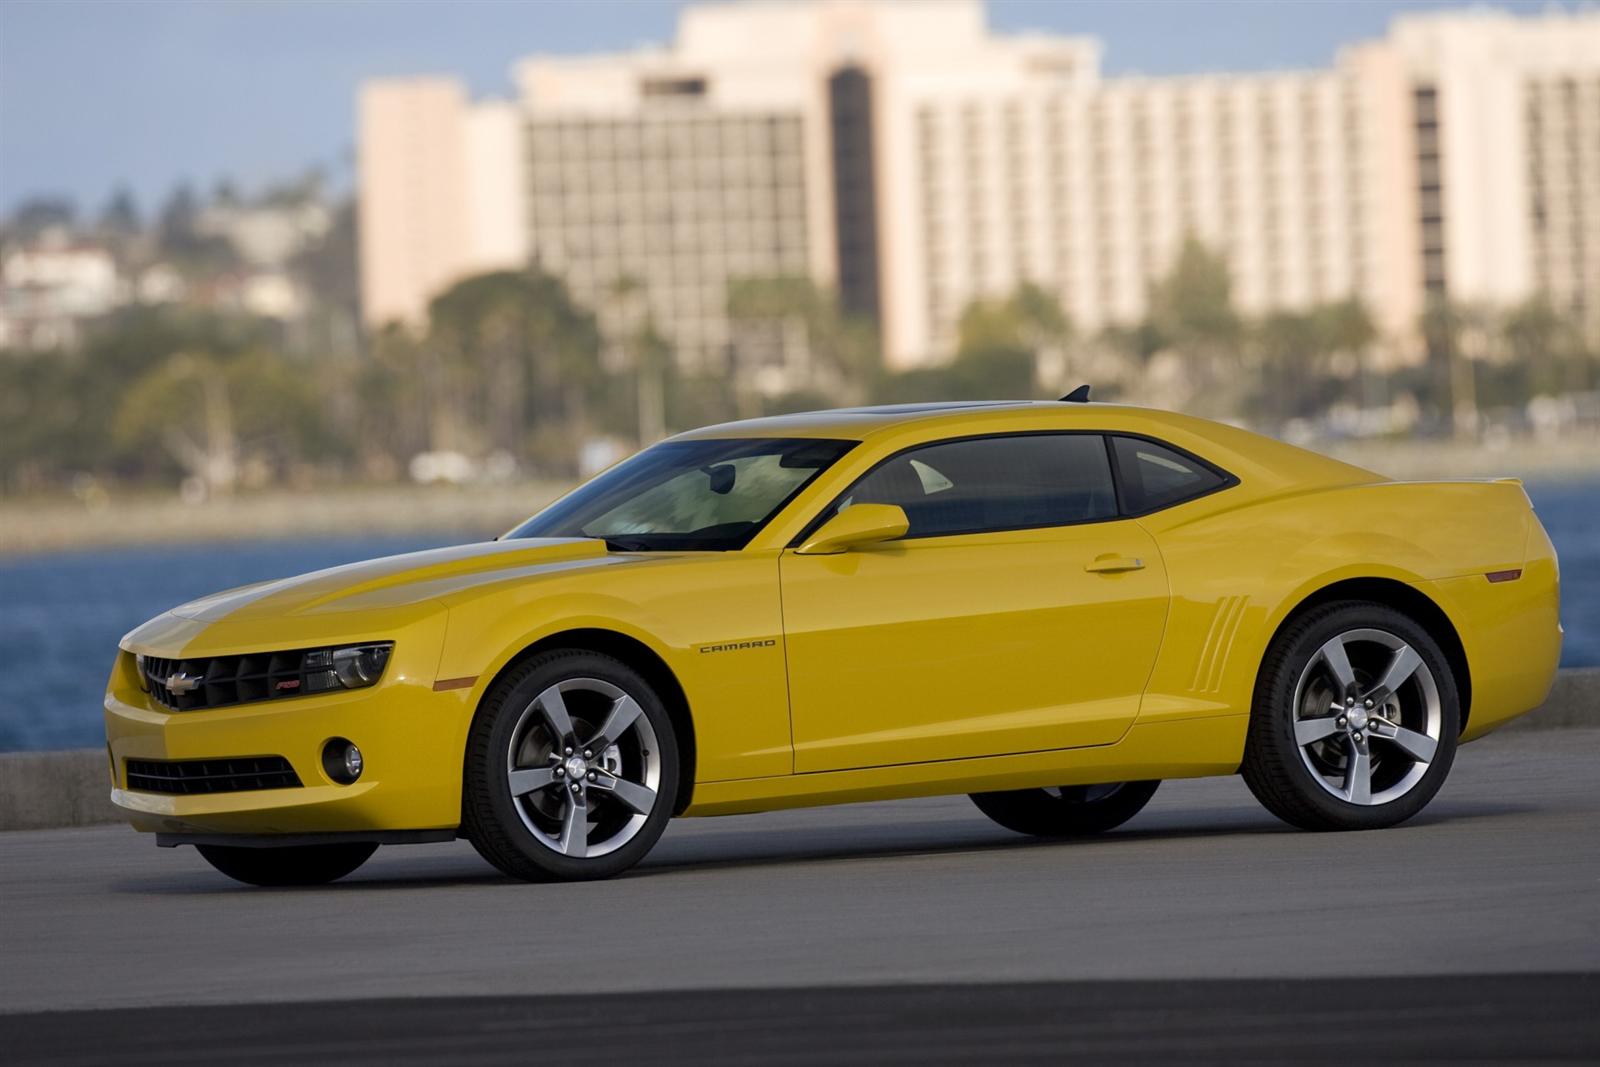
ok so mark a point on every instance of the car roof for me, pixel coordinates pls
(855, 423)
(1265, 461)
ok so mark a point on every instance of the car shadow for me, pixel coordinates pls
(709, 848)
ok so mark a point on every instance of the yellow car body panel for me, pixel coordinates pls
(944, 664)
(974, 645)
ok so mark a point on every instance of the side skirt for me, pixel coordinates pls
(1184, 748)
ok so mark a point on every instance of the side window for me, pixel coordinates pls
(995, 483)
(1154, 476)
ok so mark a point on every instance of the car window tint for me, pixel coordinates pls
(995, 483)
(1154, 476)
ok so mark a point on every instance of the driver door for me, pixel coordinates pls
(1018, 614)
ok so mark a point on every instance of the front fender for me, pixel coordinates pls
(679, 608)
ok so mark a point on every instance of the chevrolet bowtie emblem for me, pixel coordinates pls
(181, 683)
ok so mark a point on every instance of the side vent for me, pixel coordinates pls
(1225, 619)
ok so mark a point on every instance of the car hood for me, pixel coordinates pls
(392, 581)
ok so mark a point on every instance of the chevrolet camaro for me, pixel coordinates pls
(1049, 606)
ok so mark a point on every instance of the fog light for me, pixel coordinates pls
(341, 761)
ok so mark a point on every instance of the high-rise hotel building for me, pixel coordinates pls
(905, 155)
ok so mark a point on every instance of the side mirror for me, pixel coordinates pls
(856, 526)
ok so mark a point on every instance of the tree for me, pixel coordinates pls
(1030, 323)
(1345, 329)
(1549, 345)
(120, 216)
(1192, 313)
(508, 349)
(843, 348)
(644, 352)
(329, 270)
(181, 242)
(1290, 348)
(209, 413)
(37, 214)
(1306, 358)
(1192, 305)
(1456, 337)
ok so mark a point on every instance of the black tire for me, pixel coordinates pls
(294, 865)
(1274, 767)
(1071, 811)
(499, 825)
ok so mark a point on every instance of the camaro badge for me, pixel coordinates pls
(181, 683)
(733, 646)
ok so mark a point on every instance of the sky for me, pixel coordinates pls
(96, 94)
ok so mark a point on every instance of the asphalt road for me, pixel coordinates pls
(1499, 877)
(1480, 1019)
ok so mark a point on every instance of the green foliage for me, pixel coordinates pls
(510, 362)
(700, 400)
(509, 351)
(999, 346)
(43, 419)
(1030, 319)
(203, 411)
(983, 374)
(844, 348)
(1192, 306)
(1136, 343)
(799, 400)
(197, 255)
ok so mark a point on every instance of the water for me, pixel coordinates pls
(61, 615)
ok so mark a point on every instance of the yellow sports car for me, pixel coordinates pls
(1050, 606)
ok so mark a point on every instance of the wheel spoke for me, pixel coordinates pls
(1358, 775)
(554, 707)
(1309, 731)
(1419, 746)
(1402, 665)
(635, 797)
(531, 780)
(574, 840)
(556, 772)
(624, 710)
(1338, 660)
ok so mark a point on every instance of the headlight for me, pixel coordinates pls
(350, 667)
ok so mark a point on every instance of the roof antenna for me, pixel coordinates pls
(1080, 395)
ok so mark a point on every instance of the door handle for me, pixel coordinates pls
(1113, 564)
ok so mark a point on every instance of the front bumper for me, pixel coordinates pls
(411, 736)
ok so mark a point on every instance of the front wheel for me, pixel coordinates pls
(294, 865)
(572, 769)
(1066, 811)
(1355, 720)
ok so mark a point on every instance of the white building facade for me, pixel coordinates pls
(907, 156)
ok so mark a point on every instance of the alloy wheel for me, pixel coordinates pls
(1367, 716)
(583, 767)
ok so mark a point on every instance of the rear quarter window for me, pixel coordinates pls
(1153, 476)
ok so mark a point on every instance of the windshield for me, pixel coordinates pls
(682, 495)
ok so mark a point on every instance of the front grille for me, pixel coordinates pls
(195, 776)
(217, 681)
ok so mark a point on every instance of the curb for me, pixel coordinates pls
(49, 790)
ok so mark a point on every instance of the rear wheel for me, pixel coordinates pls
(1066, 811)
(294, 865)
(572, 769)
(1355, 721)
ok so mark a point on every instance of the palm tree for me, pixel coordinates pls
(634, 336)
(841, 346)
